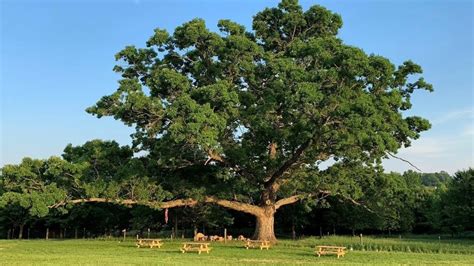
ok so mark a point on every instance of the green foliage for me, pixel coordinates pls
(36, 184)
(435, 179)
(197, 96)
(144, 218)
(457, 203)
(207, 216)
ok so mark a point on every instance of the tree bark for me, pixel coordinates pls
(20, 234)
(265, 224)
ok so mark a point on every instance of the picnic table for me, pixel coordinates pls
(257, 243)
(149, 242)
(339, 251)
(196, 246)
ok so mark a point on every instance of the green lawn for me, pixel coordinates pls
(286, 252)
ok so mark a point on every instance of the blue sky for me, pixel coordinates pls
(57, 58)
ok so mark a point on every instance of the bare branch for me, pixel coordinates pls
(322, 194)
(404, 160)
(357, 203)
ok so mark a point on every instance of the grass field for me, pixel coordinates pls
(113, 252)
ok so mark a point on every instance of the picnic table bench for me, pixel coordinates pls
(257, 243)
(149, 242)
(196, 246)
(339, 251)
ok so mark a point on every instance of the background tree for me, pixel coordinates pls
(457, 203)
(435, 179)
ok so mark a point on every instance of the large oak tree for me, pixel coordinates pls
(243, 119)
(255, 120)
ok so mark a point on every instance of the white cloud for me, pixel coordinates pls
(454, 115)
(429, 147)
(469, 130)
(433, 154)
(448, 146)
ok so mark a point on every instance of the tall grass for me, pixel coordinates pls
(412, 245)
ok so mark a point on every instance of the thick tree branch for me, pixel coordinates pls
(230, 204)
(271, 184)
(163, 205)
(294, 158)
(295, 198)
(286, 201)
(235, 205)
(213, 156)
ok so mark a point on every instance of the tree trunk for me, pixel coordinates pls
(265, 225)
(175, 224)
(265, 213)
(20, 234)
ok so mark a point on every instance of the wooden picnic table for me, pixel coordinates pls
(339, 251)
(196, 246)
(149, 242)
(257, 243)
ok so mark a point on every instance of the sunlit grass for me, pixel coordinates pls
(286, 252)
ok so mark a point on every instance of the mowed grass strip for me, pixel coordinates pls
(286, 252)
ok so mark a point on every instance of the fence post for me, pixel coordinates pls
(225, 235)
(293, 232)
(360, 236)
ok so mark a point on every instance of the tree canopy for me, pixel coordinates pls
(245, 118)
